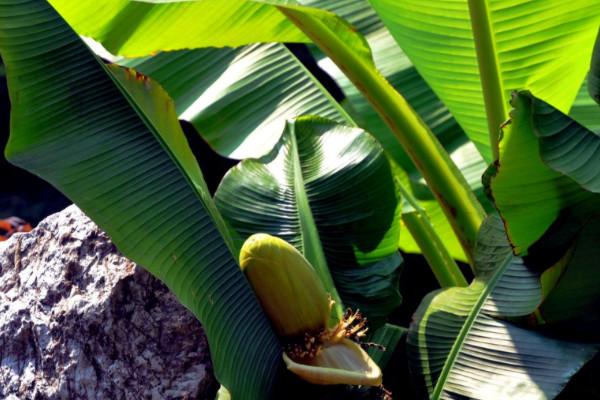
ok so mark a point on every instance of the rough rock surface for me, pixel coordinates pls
(80, 321)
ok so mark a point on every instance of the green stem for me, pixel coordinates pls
(443, 177)
(489, 70)
(443, 266)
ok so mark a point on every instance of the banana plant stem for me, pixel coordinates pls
(450, 188)
(489, 70)
(443, 266)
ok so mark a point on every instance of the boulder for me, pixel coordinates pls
(80, 321)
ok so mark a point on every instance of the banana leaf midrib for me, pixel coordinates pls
(311, 243)
(489, 286)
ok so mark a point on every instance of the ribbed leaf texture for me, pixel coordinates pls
(238, 99)
(109, 139)
(542, 45)
(585, 109)
(458, 350)
(566, 146)
(327, 189)
(562, 161)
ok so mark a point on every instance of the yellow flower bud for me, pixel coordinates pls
(286, 285)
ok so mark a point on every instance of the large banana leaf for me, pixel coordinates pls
(239, 99)
(562, 161)
(458, 349)
(109, 139)
(328, 190)
(138, 28)
(542, 46)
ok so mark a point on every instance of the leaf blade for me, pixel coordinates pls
(79, 130)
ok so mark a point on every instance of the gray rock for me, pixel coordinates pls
(80, 321)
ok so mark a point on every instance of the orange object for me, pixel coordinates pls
(12, 225)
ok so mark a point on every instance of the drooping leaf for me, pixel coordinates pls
(566, 146)
(109, 139)
(562, 161)
(543, 46)
(457, 348)
(325, 188)
(239, 99)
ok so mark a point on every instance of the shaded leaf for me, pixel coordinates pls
(109, 139)
(239, 99)
(585, 110)
(457, 349)
(373, 289)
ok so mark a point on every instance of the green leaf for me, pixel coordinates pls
(585, 110)
(543, 46)
(239, 99)
(139, 28)
(109, 139)
(557, 153)
(325, 188)
(458, 349)
(566, 146)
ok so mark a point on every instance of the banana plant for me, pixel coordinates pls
(431, 80)
(145, 188)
